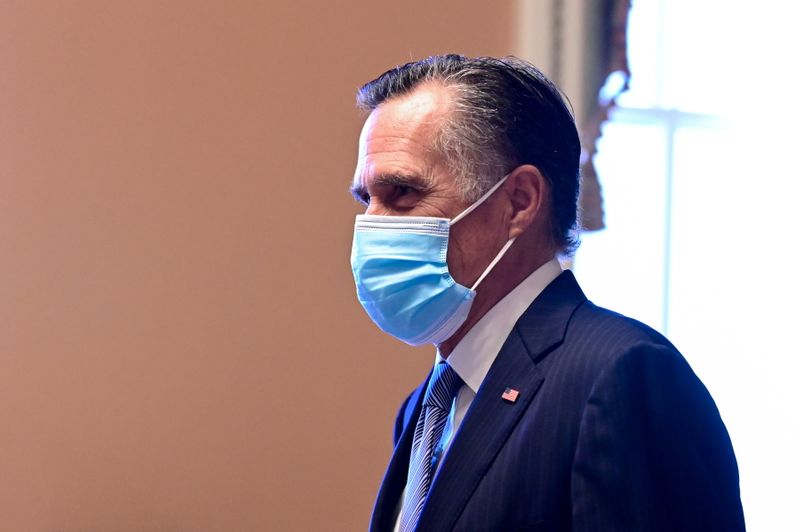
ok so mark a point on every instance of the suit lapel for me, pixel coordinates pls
(486, 427)
(491, 419)
(394, 481)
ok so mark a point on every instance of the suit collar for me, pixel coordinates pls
(485, 428)
(477, 350)
(490, 419)
(544, 325)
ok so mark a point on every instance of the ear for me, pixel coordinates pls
(527, 188)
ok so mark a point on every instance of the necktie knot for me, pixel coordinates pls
(442, 387)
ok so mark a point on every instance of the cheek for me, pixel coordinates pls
(471, 248)
(455, 258)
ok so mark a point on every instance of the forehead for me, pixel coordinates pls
(398, 136)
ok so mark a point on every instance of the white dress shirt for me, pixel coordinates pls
(476, 352)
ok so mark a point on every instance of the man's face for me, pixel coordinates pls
(399, 173)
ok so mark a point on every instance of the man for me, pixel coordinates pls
(543, 411)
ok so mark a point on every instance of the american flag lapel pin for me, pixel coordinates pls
(510, 395)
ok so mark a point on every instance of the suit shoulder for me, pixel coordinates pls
(610, 331)
(597, 339)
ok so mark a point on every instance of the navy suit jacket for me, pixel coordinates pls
(612, 431)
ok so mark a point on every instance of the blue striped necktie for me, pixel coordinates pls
(442, 387)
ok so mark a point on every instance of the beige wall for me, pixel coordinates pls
(180, 344)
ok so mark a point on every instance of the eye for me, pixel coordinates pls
(364, 198)
(403, 197)
(403, 190)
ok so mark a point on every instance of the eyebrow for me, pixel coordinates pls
(391, 179)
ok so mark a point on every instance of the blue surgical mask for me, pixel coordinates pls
(402, 280)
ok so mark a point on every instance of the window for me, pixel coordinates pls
(701, 183)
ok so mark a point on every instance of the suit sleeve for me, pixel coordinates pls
(652, 451)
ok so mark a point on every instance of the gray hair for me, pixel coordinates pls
(504, 113)
(468, 138)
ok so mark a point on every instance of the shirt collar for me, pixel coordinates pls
(475, 353)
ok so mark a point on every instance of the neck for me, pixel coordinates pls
(506, 276)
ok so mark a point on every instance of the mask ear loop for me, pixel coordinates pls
(493, 263)
(472, 208)
(480, 200)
